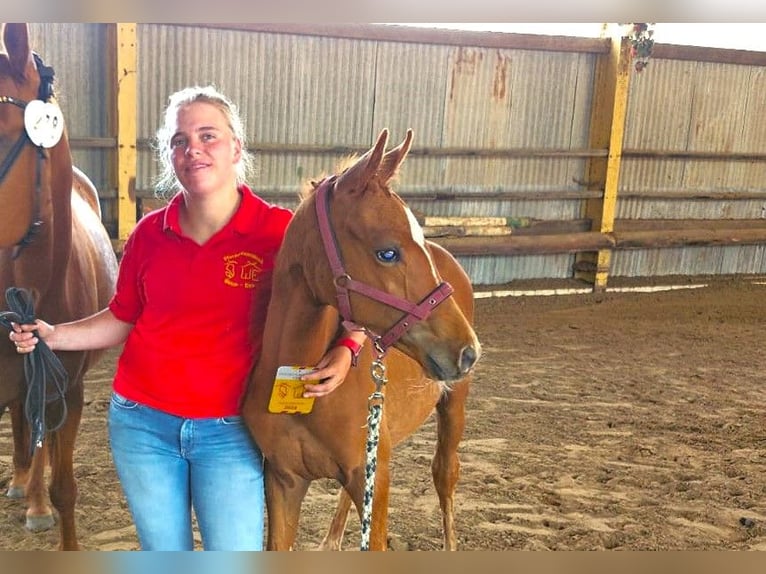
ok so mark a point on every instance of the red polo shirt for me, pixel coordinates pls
(198, 310)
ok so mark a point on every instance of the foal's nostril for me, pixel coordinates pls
(468, 359)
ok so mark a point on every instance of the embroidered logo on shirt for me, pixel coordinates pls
(242, 269)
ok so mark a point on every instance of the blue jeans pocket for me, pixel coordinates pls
(119, 401)
(231, 420)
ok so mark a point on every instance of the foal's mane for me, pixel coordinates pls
(310, 186)
(5, 66)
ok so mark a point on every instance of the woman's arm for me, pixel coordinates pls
(98, 331)
(334, 366)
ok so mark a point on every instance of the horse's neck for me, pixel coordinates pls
(298, 330)
(61, 198)
(42, 263)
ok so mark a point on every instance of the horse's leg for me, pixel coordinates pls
(284, 496)
(445, 466)
(28, 480)
(22, 462)
(39, 514)
(63, 487)
(334, 537)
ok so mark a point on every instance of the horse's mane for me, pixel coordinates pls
(310, 185)
(7, 70)
(5, 64)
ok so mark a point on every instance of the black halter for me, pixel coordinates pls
(44, 93)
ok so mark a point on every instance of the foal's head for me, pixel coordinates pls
(382, 247)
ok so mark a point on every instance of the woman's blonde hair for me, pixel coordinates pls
(166, 182)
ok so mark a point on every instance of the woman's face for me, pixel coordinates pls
(204, 151)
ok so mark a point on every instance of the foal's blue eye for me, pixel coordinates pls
(387, 255)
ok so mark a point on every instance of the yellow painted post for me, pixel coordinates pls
(608, 113)
(126, 96)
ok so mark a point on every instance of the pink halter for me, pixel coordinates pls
(344, 284)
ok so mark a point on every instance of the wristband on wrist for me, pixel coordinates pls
(352, 346)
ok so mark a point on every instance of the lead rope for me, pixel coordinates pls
(45, 375)
(375, 404)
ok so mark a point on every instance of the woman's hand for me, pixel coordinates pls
(24, 338)
(331, 372)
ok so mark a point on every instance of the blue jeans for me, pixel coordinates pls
(168, 465)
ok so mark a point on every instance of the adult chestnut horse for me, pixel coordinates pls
(52, 242)
(398, 292)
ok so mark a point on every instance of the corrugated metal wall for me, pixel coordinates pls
(696, 107)
(297, 89)
(700, 107)
(291, 90)
(76, 53)
(308, 90)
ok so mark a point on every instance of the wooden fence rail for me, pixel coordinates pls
(585, 241)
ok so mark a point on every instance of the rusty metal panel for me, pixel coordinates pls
(500, 99)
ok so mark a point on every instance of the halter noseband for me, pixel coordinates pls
(344, 283)
(44, 93)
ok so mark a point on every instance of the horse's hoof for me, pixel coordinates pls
(39, 522)
(15, 492)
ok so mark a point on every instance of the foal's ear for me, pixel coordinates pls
(16, 39)
(356, 177)
(394, 158)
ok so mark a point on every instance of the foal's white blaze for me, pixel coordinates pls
(415, 229)
(419, 237)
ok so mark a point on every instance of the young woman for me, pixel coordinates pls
(190, 303)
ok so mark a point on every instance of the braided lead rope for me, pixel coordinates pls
(375, 402)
